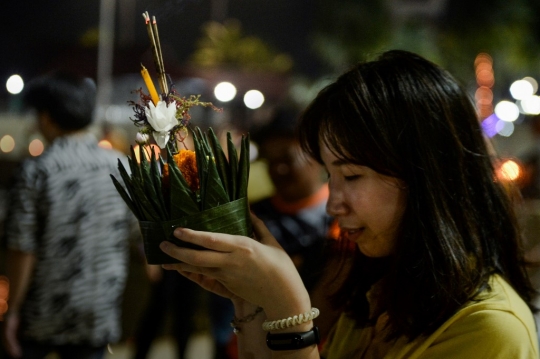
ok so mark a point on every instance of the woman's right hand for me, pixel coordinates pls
(242, 269)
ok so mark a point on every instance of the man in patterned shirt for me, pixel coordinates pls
(67, 232)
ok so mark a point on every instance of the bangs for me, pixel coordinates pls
(331, 119)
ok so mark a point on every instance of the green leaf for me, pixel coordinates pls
(243, 168)
(202, 165)
(148, 187)
(133, 164)
(128, 182)
(221, 161)
(132, 206)
(212, 192)
(147, 207)
(215, 194)
(155, 176)
(233, 165)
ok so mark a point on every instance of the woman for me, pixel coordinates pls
(437, 270)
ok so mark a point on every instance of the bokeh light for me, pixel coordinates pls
(521, 89)
(253, 99)
(225, 91)
(14, 84)
(531, 105)
(485, 78)
(105, 144)
(509, 170)
(482, 58)
(489, 124)
(7, 144)
(504, 128)
(36, 147)
(484, 95)
(507, 111)
(533, 83)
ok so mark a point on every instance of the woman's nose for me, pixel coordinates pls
(335, 205)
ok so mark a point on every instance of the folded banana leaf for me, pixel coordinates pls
(230, 218)
(158, 193)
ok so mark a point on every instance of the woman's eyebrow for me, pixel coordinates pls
(340, 162)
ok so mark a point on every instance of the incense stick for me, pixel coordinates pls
(160, 55)
(156, 53)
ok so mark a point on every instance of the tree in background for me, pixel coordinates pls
(449, 32)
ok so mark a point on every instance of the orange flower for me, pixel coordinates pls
(187, 163)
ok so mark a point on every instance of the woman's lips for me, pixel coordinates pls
(353, 234)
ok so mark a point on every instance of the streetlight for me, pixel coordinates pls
(15, 84)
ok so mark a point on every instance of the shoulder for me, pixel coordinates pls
(487, 333)
(498, 325)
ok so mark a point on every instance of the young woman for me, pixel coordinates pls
(437, 270)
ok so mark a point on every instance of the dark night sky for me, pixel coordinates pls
(41, 34)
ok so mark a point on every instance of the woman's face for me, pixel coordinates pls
(368, 205)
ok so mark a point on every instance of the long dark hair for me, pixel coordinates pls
(404, 116)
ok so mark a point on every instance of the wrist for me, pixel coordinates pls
(241, 319)
(283, 312)
(298, 322)
(243, 308)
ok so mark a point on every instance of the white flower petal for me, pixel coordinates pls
(161, 138)
(161, 117)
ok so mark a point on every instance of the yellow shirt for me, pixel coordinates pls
(500, 326)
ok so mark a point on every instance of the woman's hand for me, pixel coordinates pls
(240, 268)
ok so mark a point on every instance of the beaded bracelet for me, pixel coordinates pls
(248, 318)
(291, 321)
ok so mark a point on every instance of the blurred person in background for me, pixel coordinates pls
(67, 232)
(170, 295)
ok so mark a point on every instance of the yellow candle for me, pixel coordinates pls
(149, 85)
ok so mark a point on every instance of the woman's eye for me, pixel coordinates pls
(351, 177)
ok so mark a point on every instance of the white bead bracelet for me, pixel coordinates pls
(291, 321)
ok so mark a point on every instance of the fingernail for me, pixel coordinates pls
(164, 246)
(178, 232)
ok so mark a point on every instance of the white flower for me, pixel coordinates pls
(141, 138)
(161, 117)
(161, 138)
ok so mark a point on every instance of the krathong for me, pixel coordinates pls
(204, 188)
